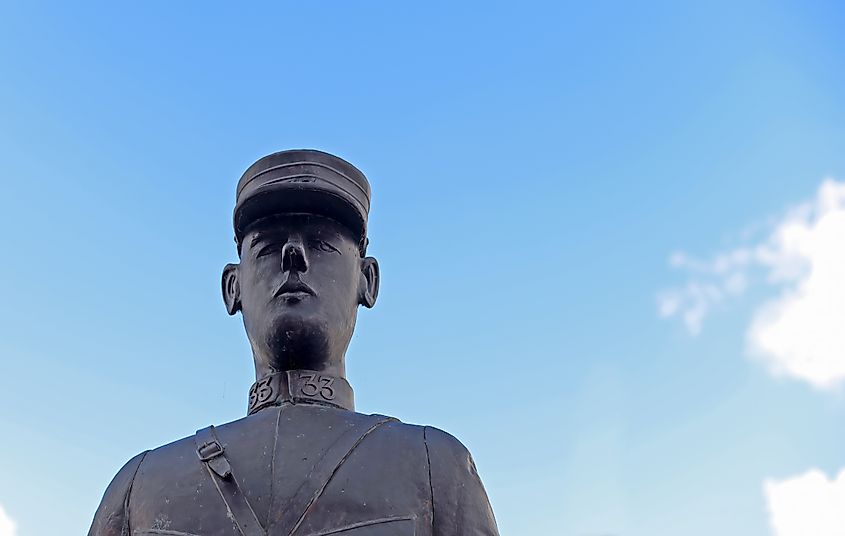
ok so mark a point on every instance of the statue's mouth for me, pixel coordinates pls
(293, 287)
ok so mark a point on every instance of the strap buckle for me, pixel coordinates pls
(212, 455)
(209, 450)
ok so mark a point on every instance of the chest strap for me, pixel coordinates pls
(212, 455)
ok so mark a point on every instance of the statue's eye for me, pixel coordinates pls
(268, 249)
(324, 246)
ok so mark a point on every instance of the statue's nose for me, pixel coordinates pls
(293, 258)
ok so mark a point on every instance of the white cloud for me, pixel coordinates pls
(806, 505)
(800, 332)
(7, 526)
(711, 282)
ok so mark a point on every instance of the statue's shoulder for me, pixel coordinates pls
(443, 440)
(440, 446)
(429, 436)
(445, 451)
(458, 496)
(257, 433)
(259, 428)
(256, 429)
(110, 518)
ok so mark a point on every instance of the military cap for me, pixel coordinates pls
(303, 181)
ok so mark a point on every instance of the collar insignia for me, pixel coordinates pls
(300, 386)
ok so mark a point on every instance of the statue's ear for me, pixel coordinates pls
(368, 285)
(231, 289)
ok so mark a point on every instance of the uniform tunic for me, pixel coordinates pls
(395, 480)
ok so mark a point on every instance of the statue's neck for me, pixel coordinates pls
(331, 368)
(321, 354)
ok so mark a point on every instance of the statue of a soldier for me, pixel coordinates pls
(302, 462)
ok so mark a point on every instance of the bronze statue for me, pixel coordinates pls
(302, 462)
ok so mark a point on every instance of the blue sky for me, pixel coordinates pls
(535, 168)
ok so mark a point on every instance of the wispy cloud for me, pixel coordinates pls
(7, 525)
(808, 504)
(800, 330)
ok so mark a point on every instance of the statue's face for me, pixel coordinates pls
(298, 285)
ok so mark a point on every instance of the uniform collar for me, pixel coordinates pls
(300, 386)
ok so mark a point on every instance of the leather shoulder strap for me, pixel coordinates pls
(286, 523)
(212, 455)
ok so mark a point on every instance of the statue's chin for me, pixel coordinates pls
(299, 344)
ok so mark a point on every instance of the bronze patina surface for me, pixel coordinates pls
(302, 462)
